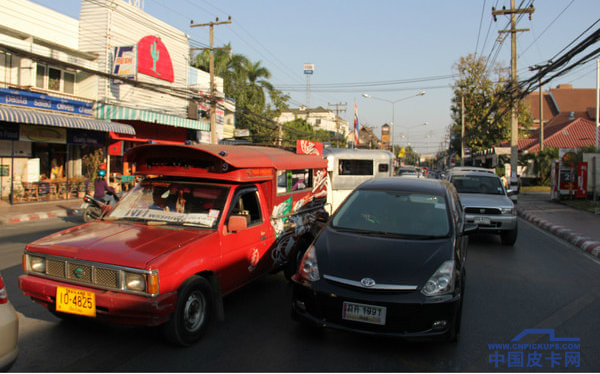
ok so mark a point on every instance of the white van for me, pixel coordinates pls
(347, 168)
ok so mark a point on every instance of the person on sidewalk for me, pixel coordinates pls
(101, 187)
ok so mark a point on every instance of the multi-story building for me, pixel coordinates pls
(112, 79)
(320, 119)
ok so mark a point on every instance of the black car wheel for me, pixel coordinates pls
(509, 237)
(192, 316)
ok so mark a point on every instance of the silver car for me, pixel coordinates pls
(486, 202)
(9, 330)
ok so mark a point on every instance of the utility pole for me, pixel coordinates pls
(539, 68)
(211, 68)
(462, 131)
(337, 120)
(514, 123)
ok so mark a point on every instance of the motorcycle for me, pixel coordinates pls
(94, 208)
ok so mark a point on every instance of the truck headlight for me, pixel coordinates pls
(37, 264)
(508, 211)
(135, 282)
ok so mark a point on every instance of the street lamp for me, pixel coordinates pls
(393, 102)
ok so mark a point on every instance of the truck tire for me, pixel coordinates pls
(509, 237)
(91, 213)
(194, 311)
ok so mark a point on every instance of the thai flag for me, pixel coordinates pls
(355, 124)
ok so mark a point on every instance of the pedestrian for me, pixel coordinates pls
(101, 187)
(504, 181)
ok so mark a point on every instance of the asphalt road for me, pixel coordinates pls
(540, 283)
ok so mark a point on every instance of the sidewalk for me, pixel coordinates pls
(578, 227)
(23, 212)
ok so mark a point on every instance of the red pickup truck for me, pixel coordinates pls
(204, 221)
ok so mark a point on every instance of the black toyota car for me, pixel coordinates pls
(391, 261)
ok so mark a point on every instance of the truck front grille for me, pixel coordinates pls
(90, 274)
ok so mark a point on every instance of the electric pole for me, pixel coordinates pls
(211, 68)
(337, 120)
(514, 123)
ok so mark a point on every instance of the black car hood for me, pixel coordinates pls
(387, 260)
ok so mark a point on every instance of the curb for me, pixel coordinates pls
(37, 216)
(585, 243)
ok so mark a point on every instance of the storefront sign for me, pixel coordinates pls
(39, 101)
(154, 59)
(125, 62)
(82, 137)
(9, 131)
(43, 134)
(307, 147)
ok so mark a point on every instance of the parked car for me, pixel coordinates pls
(9, 330)
(390, 261)
(487, 203)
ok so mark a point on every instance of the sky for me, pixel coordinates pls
(389, 49)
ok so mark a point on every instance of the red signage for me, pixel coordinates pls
(307, 147)
(154, 59)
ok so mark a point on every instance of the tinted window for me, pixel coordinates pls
(355, 167)
(484, 184)
(390, 212)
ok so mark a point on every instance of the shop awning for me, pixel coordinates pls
(112, 112)
(33, 117)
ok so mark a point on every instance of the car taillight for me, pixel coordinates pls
(3, 295)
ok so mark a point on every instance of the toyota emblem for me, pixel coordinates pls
(367, 282)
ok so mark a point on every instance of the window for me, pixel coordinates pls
(384, 168)
(54, 79)
(247, 205)
(293, 180)
(356, 167)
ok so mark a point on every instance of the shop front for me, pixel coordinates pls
(47, 154)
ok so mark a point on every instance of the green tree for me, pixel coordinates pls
(258, 103)
(486, 105)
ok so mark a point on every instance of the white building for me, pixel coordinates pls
(318, 118)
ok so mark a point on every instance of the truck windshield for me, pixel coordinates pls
(173, 202)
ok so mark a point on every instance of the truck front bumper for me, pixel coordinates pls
(111, 306)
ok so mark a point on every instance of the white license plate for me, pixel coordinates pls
(482, 220)
(364, 313)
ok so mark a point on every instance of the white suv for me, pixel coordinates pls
(486, 202)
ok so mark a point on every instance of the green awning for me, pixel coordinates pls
(112, 112)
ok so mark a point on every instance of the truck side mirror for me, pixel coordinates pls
(237, 223)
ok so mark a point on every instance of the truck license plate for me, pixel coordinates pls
(364, 313)
(74, 301)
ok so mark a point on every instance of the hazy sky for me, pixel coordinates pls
(390, 49)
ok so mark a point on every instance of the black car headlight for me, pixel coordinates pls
(309, 268)
(441, 282)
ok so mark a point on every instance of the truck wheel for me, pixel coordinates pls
(509, 237)
(91, 213)
(193, 312)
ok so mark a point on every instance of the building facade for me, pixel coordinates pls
(76, 94)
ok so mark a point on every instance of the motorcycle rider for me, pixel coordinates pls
(101, 187)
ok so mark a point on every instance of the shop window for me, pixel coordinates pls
(39, 76)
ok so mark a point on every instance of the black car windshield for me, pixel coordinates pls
(407, 214)
(483, 184)
(172, 202)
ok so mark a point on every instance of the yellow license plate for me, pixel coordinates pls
(73, 301)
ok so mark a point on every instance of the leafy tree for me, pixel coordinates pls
(258, 103)
(487, 105)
